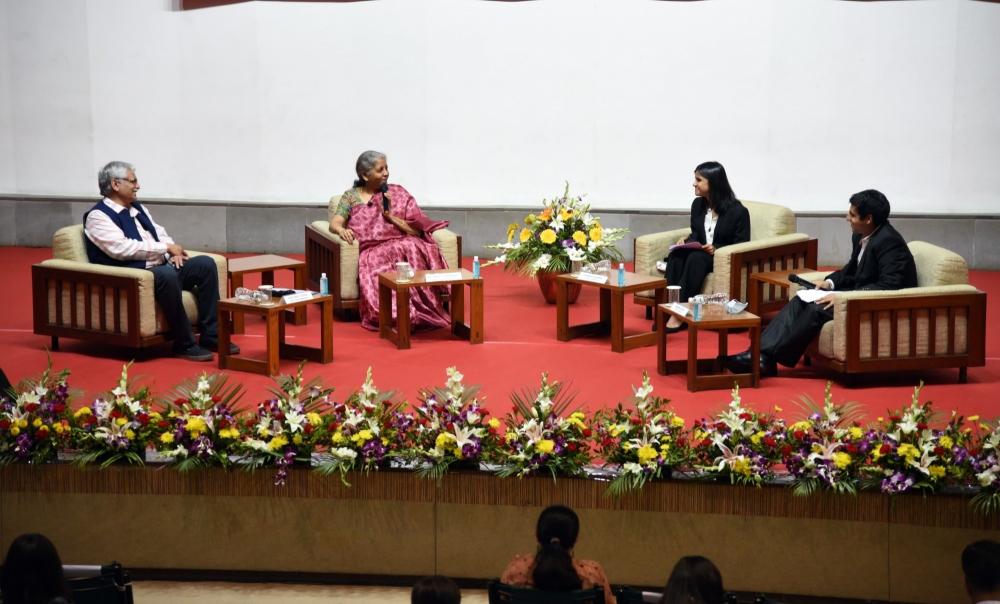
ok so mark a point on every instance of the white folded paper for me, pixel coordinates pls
(591, 277)
(679, 308)
(449, 276)
(811, 295)
(298, 296)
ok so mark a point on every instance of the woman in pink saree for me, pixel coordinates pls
(390, 228)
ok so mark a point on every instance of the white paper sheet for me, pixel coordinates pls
(432, 277)
(811, 295)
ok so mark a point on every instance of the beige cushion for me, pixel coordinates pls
(769, 220)
(67, 244)
(938, 266)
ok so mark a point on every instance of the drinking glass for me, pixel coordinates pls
(673, 294)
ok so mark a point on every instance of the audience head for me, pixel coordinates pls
(435, 590)
(112, 172)
(981, 566)
(367, 162)
(871, 203)
(719, 193)
(694, 580)
(32, 572)
(558, 527)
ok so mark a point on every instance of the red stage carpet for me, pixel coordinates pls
(520, 343)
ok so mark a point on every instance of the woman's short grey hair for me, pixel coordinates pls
(111, 171)
(366, 161)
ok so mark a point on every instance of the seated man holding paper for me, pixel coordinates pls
(390, 228)
(879, 260)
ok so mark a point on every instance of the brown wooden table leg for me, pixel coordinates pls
(723, 350)
(224, 328)
(267, 277)
(236, 282)
(326, 330)
(692, 364)
(562, 311)
(299, 316)
(661, 341)
(756, 296)
(273, 339)
(617, 319)
(606, 314)
(457, 305)
(476, 327)
(403, 317)
(755, 355)
(384, 311)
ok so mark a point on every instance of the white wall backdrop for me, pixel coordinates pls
(496, 104)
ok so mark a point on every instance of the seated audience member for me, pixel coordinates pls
(880, 260)
(981, 566)
(121, 232)
(552, 567)
(435, 590)
(32, 573)
(389, 228)
(694, 580)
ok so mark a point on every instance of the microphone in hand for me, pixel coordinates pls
(384, 189)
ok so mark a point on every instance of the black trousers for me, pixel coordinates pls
(787, 336)
(199, 276)
(688, 268)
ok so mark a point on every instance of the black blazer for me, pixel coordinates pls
(732, 227)
(887, 263)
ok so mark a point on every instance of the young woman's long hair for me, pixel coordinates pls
(720, 194)
(32, 572)
(694, 580)
(557, 530)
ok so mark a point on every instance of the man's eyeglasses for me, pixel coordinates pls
(131, 181)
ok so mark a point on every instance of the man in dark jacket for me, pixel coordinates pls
(880, 260)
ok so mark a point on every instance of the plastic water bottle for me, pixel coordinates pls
(475, 267)
(621, 274)
(324, 285)
(696, 303)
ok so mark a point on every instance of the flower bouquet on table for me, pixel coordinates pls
(644, 439)
(740, 444)
(983, 463)
(115, 427)
(362, 431)
(562, 233)
(451, 429)
(825, 449)
(540, 437)
(287, 427)
(906, 453)
(199, 427)
(34, 422)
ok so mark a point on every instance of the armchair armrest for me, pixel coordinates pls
(651, 248)
(734, 264)
(327, 253)
(450, 243)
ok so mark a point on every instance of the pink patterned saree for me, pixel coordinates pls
(382, 245)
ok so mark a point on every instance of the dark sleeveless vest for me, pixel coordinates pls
(124, 222)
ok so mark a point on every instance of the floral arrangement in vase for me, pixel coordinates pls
(645, 439)
(562, 233)
(542, 437)
(34, 423)
(983, 463)
(739, 444)
(451, 429)
(199, 427)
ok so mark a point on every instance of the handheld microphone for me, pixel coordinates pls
(800, 281)
(385, 200)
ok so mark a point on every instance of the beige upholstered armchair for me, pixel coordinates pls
(941, 323)
(774, 245)
(327, 253)
(114, 305)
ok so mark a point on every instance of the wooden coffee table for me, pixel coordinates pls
(708, 374)
(612, 319)
(266, 265)
(388, 284)
(274, 316)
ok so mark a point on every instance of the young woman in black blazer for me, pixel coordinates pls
(729, 224)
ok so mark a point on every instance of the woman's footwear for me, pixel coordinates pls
(680, 327)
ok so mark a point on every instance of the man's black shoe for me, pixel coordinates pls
(194, 353)
(740, 363)
(214, 345)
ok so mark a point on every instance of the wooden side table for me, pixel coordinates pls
(708, 374)
(388, 284)
(274, 316)
(266, 265)
(612, 317)
(779, 284)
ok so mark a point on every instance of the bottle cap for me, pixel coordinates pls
(475, 258)
(322, 275)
